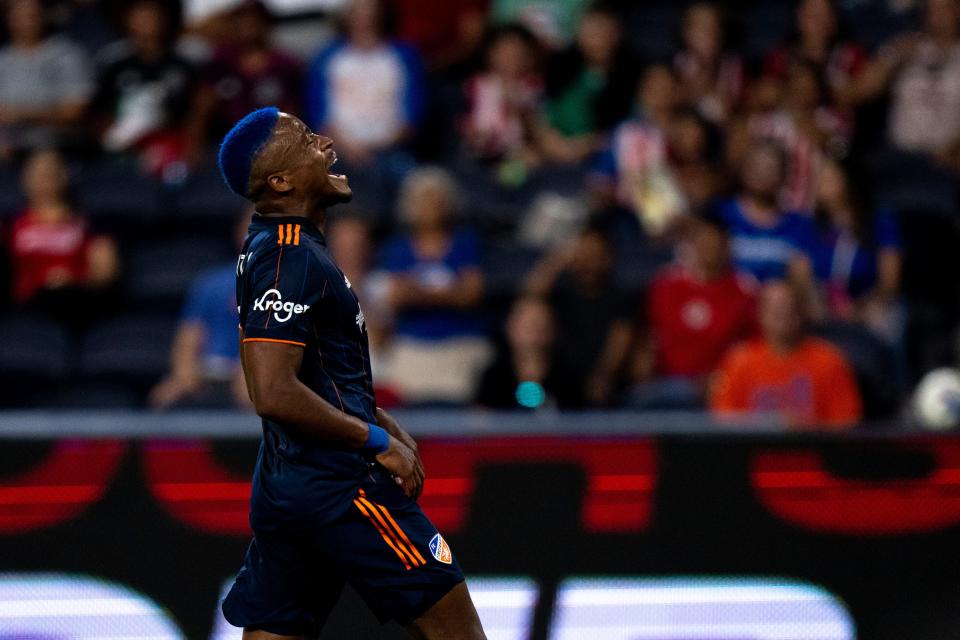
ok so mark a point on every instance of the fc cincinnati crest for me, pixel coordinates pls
(440, 549)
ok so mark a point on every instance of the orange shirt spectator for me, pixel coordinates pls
(804, 379)
(811, 385)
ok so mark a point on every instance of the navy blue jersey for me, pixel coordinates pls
(290, 291)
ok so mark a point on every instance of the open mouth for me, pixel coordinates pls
(333, 161)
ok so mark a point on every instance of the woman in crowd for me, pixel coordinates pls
(634, 170)
(857, 258)
(525, 372)
(818, 40)
(589, 90)
(435, 287)
(46, 82)
(503, 99)
(59, 266)
(712, 76)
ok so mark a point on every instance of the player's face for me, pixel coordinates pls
(316, 157)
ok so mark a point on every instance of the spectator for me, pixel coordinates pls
(525, 372)
(245, 72)
(594, 316)
(634, 170)
(807, 102)
(695, 147)
(803, 380)
(819, 42)
(766, 241)
(59, 266)
(554, 23)
(205, 357)
(504, 98)
(365, 90)
(350, 239)
(923, 72)
(696, 310)
(857, 258)
(589, 90)
(435, 287)
(45, 82)
(711, 76)
(792, 115)
(448, 33)
(145, 90)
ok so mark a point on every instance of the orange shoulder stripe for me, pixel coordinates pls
(294, 342)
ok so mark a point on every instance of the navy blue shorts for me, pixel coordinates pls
(383, 546)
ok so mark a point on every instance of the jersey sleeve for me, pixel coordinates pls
(285, 291)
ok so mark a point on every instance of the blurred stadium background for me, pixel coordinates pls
(668, 290)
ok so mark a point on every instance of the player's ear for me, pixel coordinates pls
(279, 182)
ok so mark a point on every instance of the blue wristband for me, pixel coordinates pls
(378, 440)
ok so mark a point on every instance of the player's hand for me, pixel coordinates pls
(393, 427)
(403, 465)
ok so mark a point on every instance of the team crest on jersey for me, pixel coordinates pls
(440, 549)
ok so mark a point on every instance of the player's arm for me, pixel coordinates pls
(279, 395)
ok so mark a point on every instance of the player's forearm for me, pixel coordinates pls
(294, 404)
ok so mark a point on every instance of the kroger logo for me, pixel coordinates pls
(282, 311)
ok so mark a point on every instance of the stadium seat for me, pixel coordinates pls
(131, 350)
(117, 197)
(651, 29)
(767, 27)
(11, 195)
(636, 268)
(203, 199)
(85, 395)
(158, 274)
(874, 364)
(35, 356)
(505, 267)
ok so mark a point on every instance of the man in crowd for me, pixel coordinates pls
(697, 309)
(804, 380)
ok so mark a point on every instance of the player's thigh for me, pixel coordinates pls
(453, 617)
(391, 554)
(266, 635)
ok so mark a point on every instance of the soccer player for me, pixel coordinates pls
(336, 481)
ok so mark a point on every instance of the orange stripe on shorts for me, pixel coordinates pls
(383, 534)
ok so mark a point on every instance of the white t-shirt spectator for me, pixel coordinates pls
(368, 96)
(54, 73)
(925, 114)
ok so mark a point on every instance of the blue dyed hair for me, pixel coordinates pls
(241, 145)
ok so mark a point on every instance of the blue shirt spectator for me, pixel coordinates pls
(435, 323)
(845, 260)
(212, 304)
(858, 259)
(205, 356)
(766, 251)
(434, 287)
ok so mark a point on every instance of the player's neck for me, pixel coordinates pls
(316, 215)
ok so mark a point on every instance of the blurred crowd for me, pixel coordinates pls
(746, 206)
